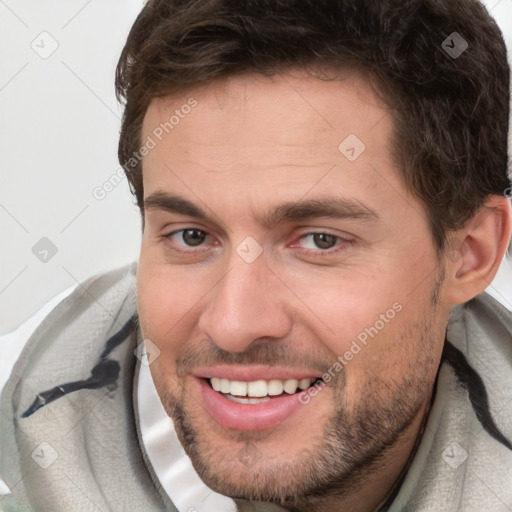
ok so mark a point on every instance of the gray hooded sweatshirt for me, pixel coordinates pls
(70, 438)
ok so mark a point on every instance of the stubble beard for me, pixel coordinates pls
(351, 447)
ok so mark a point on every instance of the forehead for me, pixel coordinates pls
(286, 110)
(253, 134)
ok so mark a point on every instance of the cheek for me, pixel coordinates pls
(379, 330)
(166, 305)
(347, 307)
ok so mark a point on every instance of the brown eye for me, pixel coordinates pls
(193, 237)
(324, 241)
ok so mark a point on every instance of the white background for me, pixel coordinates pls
(59, 125)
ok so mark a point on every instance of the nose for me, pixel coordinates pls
(246, 305)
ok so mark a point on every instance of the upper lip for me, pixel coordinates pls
(253, 373)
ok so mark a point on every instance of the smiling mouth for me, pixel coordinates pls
(259, 391)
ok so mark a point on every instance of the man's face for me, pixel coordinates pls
(279, 250)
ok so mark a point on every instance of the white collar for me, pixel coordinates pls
(170, 462)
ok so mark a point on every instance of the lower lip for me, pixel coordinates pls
(247, 417)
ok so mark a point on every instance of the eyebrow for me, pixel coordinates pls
(328, 207)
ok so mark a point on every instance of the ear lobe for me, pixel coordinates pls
(477, 251)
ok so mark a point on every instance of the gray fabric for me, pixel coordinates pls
(252, 506)
(482, 331)
(101, 463)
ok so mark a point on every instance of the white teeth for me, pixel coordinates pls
(259, 388)
(275, 387)
(248, 400)
(238, 388)
(215, 383)
(241, 400)
(304, 383)
(290, 386)
(225, 386)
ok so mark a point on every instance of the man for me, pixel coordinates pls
(323, 189)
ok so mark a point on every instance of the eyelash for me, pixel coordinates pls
(181, 249)
(340, 245)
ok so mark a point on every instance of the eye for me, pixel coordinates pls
(321, 241)
(190, 237)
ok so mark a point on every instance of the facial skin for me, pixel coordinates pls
(251, 145)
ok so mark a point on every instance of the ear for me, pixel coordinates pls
(476, 251)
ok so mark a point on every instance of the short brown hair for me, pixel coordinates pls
(451, 108)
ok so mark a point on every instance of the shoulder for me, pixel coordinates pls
(465, 456)
(482, 322)
(71, 339)
(68, 405)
